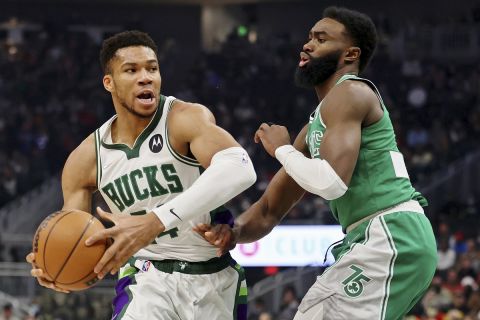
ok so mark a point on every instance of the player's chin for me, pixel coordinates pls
(145, 107)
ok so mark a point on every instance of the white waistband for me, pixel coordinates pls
(411, 205)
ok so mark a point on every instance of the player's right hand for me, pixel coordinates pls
(221, 236)
(38, 273)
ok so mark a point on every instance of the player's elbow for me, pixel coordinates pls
(247, 177)
(333, 193)
(326, 183)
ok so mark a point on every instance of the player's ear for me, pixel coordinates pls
(108, 83)
(352, 54)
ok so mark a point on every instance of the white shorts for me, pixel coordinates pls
(179, 290)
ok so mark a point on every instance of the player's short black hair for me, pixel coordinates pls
(360, 29)
(123, 40)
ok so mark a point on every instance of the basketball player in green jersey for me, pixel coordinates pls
(346, 154)
(162, 165)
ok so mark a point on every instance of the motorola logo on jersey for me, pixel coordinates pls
(156, 143)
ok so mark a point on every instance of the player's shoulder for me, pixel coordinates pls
(82, 161)
(353, 92)
(351, 99)
(183, 111)
(86, 149)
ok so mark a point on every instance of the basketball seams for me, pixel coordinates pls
(88, 224)
(76, 281)
(46, 242)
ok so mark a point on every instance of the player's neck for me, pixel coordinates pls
(325, 87)
(127, 127)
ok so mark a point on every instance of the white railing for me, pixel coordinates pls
(16, 281)
(459, 181)
(271, 289)
(24, 213)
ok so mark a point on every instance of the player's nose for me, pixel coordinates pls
(307, 47)
(144, 77)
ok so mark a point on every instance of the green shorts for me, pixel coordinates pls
(382, 268)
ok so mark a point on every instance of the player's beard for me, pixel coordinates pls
(317, 70)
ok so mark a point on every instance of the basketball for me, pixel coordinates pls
(60, 250)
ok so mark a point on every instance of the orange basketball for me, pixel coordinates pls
(60, 250)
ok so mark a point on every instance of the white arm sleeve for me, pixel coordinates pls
(313, 175)
(230, 172)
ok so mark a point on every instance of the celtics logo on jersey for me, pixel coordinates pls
(314, 141)
(353, 285)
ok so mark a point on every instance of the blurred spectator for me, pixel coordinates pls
(290, 303)
(258, 309)
(446, 256)
(265, 316)
(7, 312)
(437, 297)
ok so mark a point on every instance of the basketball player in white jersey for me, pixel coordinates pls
(162, 166)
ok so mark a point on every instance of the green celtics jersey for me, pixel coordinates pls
(136, 180)
(380, 179)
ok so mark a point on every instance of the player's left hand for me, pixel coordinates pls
(130, 234)
(221, 236)
(272, 137)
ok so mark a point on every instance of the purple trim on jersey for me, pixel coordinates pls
(242, 312)
(223, 217)
(122, 297)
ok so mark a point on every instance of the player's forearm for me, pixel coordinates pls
(314, 175)
(230, 172)
(281, 195)
(255, 223)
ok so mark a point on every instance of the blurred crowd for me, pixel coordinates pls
(58, 306)
(51, 98)
(454, 293)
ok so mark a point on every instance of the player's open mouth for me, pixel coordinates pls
(146, 97)
(304, 59)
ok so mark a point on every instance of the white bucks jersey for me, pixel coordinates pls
(136, 180)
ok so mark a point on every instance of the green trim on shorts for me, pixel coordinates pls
(349, 242)
(241, 294)
(390, 267)
(130, 296)
(127, 272)
(415, 262)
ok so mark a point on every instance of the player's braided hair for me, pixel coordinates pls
(123, 40)
(360, 29)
